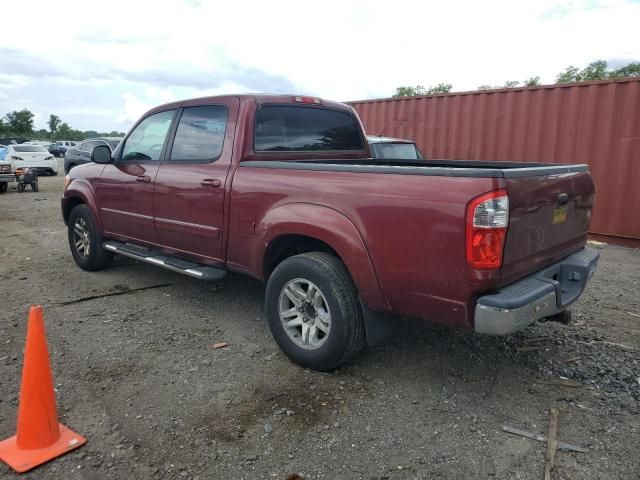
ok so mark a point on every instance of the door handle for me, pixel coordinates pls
(143, 178)
(211, 182)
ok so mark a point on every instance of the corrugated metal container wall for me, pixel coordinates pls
(597, 123)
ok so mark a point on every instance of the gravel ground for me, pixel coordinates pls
(138, 375)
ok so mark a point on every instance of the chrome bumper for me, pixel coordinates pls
(7, 177)
(543, 294)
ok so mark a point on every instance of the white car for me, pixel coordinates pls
(31, 156)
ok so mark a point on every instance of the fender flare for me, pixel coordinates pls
(331, 227)
(82, 190)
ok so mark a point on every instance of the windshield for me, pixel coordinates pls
(29, 148)
(396, 151)
(3, 152)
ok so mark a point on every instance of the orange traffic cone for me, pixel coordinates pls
(40, 437)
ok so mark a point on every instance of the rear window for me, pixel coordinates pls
(399, 151)
(294, 129)
(29, 148)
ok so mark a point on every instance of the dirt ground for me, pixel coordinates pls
(138, 376)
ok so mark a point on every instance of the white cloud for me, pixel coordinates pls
(149, 52)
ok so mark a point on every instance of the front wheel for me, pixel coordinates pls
(86, 242)
(313, 311)
(4, 186)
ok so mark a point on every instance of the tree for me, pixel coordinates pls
(20, 123)
(570, 74)
(64, 131)
(439, 88)
(409, 91)
(54, 122)
(594, 71)
(532, 82)
(511, 84)
(598, 70)
(631, 70)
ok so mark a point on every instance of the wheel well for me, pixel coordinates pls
(287, 246)
(72, 203)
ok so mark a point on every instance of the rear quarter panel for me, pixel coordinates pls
(412, 227)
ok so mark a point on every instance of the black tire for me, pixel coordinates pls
(21, 187)
(34, 186)
(346, 335)
(98, 258)
(53, 173)
(4, 186)
(71, 165)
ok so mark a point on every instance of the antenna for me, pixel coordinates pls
(383, 128)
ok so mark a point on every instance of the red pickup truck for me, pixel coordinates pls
(283, 188)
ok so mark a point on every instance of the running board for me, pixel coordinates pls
(175, 264)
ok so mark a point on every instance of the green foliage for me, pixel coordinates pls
(532, 82)
(409, 91)
(630, 70)
(511, 84)
(598, 70)
(54, 122)
(439, 88)
(20, 122)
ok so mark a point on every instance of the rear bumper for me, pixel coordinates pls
(7, 177)
(542, 294)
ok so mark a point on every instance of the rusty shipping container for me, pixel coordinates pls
(597, 123)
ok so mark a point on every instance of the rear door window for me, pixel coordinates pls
(294, 129)
(200, 134)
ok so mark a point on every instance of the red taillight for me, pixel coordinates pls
(307, 100)
(487, 222)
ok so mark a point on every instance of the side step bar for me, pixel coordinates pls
(192, 269)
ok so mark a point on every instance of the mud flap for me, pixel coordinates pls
(380, 327)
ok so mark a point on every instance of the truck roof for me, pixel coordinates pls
(259, 98)
(379, 139)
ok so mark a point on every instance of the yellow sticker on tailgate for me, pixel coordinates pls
(560, 214)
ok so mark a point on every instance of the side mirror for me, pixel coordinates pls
(101, 154)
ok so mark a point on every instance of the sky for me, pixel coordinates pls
(100, 65)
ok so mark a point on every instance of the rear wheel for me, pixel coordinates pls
(86, 242)
(4, 186)
(313, 311)
(21, 187)
(34, 186)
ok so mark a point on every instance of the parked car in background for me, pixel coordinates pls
(5, 170)
(57, 150)
(284, 188)
(81, 153)
(396, 148)
(65, 144)
(31, 156)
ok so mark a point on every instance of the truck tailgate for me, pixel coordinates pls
(549, 218)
